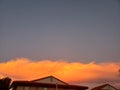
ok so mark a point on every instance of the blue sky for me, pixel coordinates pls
(74, 30)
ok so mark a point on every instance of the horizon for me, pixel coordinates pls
(87, 74)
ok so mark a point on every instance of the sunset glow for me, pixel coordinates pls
(25, 69)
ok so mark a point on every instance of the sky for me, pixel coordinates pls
(60, 31)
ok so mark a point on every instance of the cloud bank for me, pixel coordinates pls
(25, 69)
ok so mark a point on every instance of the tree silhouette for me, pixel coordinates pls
(5, 83)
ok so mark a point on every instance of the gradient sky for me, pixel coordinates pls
(73, 30)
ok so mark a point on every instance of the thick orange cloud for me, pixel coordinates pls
(25, 69)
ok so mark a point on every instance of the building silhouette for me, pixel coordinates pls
(46, 83)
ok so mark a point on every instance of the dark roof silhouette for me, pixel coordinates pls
(102, 86)
(49, 77)
(45, 84)
(30, 83)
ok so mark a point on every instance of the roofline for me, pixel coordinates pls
(29, 83)
(103, 86)
(48, 77)
(112, 86)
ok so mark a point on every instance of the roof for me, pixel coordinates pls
(46, 84)
(102, 86)
(30, 83)
(52, 77)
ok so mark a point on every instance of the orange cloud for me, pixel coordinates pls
(25, 69)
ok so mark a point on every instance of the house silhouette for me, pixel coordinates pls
(45, 83)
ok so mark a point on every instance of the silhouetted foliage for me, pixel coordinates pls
(5, 83)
